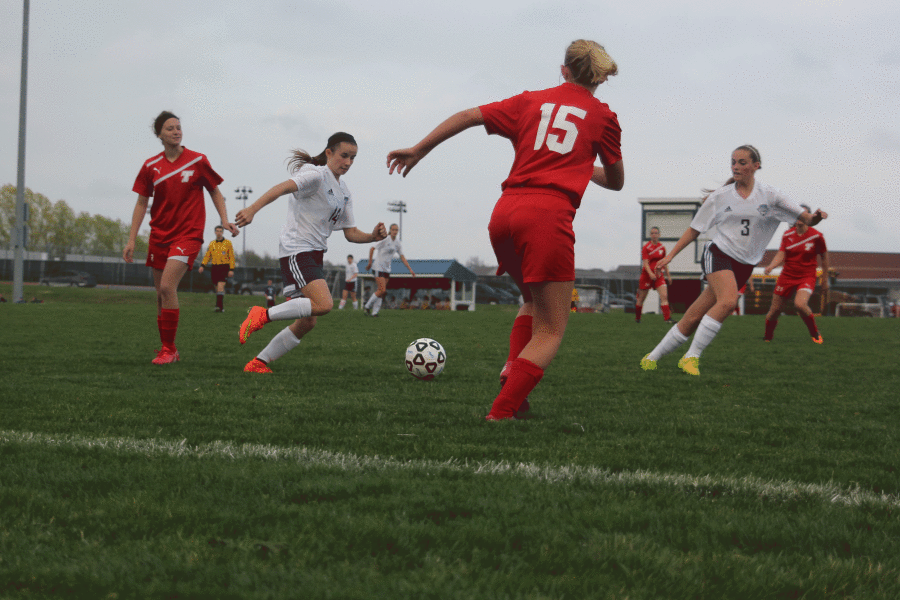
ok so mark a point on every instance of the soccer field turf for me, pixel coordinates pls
(773, 475)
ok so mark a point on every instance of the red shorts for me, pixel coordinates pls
(532, 237)
(184, 250)
(785, 286)
(646, 283)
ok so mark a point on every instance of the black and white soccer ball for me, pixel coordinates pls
(425, 359)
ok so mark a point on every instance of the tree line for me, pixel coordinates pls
(54, 228)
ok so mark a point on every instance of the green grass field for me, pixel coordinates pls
(773, 475)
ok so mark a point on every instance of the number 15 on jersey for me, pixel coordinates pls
(560, 122)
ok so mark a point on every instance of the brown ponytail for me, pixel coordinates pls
(299, 157)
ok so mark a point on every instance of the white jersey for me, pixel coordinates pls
(385, 251)
(320, 205)
(745, 227)
(350, 271)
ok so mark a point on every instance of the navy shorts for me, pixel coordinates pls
(715, 260)
(300, 270)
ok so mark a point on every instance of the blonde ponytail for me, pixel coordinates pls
(589, 63)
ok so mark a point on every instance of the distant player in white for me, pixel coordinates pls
(384, 253)
(746, 214)
(320, 203)
(350, 273)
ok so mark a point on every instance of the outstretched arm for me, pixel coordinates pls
(219, 202)
(357, 236)
(405, 159)
(689, 236)
(137, 217)
(245, 217)
(403, 260)
(776, 262)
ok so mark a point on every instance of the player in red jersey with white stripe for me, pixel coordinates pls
(557, 135)
(800, 246)
(175, 178)
(651, 253)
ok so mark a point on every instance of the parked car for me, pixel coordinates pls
(70, 278)
(258, 287)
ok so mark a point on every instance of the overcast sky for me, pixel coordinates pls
(815, 85)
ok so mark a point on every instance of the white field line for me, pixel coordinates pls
(703, 485)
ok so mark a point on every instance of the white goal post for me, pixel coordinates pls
(859, 309)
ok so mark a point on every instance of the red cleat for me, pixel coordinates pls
(166, 356)
(256, 366)
(492, 417)
(255, 320)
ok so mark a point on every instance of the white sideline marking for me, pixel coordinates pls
(688, 484)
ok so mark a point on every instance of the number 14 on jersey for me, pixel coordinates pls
(560, 122)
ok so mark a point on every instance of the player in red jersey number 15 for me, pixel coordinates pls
(557, 134)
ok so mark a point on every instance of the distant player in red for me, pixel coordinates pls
(651, 253)
(800, 246)
(175, 178)
(557, 135)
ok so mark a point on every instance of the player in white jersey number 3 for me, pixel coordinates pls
(746, 214)
(320, 203)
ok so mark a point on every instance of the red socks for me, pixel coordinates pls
(167, 321)
(770, 329)
(523, 376)
(519, 336)
(810, 324)
(637, 312)
(667, 314)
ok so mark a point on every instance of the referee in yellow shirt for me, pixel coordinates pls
(221, 256)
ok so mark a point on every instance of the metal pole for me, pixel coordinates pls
(19, 248)
(398, 206)
(241, 194)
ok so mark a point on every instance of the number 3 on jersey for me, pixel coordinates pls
(552, 140)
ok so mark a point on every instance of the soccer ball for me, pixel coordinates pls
(425, 359)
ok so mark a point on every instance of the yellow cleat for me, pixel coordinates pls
(690, 365)
(647, 364)
(819, 339)
(254, 322)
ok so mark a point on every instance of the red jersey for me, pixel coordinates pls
(653, 253)
(178, 210)
(557, 134)
(800, 252)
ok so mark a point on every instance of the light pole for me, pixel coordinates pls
(398, 206)
(241, 193)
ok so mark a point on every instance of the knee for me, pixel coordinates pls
(729, 304)
(167, 293)
(323, 307)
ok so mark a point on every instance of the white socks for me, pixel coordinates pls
(341, 305)
(370, 301)
(669, 343)
(703, 337)
(377, 305)
(292, 309)
(280, 345)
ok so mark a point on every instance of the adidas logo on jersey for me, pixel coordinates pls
(728, 209)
